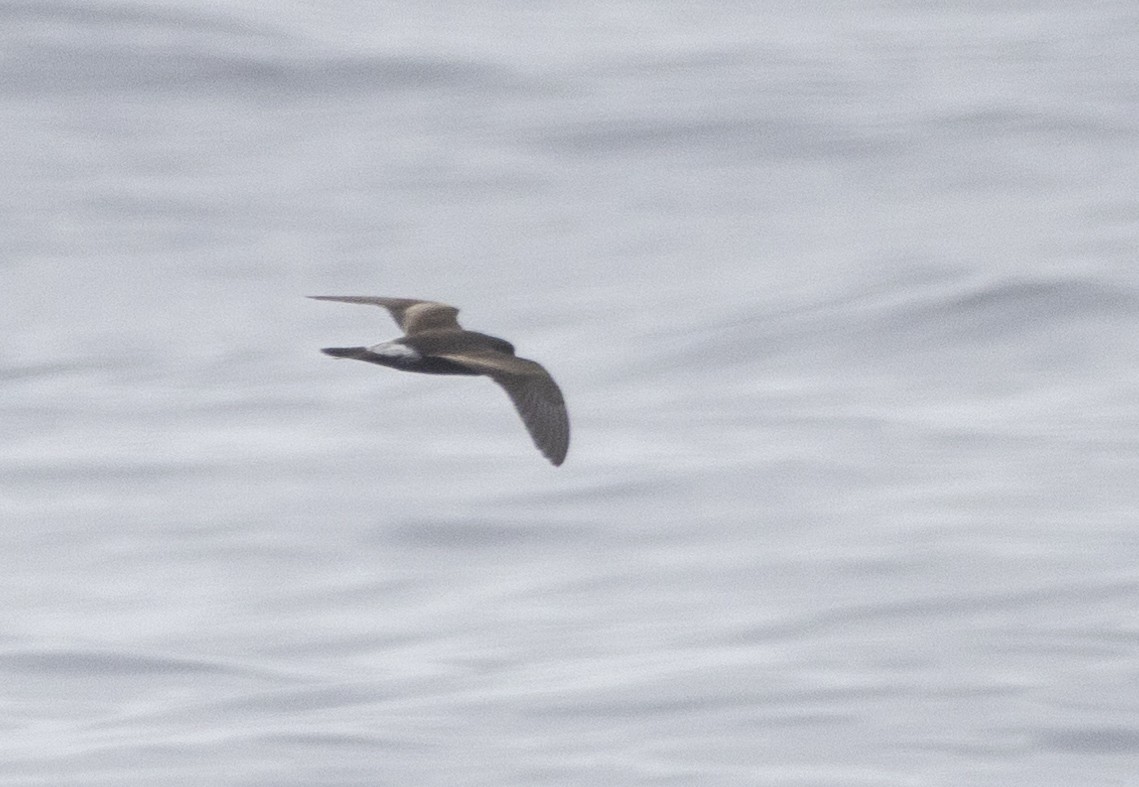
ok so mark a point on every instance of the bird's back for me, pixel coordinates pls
(449, 342)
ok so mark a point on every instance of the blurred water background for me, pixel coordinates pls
(844, 301)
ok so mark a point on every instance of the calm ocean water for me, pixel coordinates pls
(844, 301)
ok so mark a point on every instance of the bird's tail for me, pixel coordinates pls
(360, 353)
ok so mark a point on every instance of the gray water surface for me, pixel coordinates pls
(844, 301)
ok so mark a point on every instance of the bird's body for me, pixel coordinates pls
(435, 343)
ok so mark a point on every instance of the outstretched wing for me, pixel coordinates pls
(536, 397)
(411, 315)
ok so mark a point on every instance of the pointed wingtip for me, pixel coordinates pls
(555, 451)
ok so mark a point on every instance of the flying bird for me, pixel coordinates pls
(435, 343)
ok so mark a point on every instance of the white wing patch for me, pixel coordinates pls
(395, 349)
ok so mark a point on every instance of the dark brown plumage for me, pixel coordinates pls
(435, 343)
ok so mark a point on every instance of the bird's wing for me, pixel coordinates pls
(536, 397)
(411, 315)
